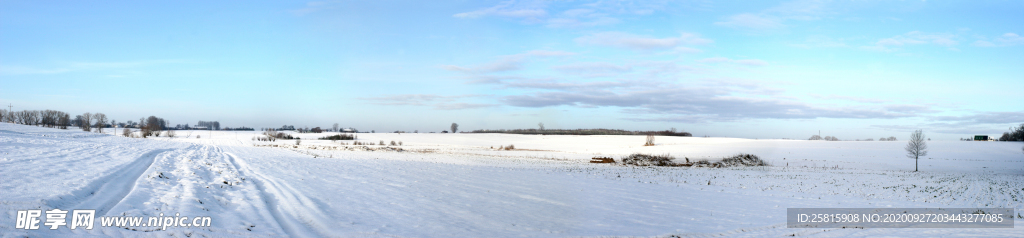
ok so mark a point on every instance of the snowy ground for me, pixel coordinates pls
(455, 185)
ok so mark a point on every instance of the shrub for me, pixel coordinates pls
(339, 137)
(298, 141)
(170, 134)
(126, 132)
(742, 160)
(650, 140)
(381, 142)
(393, 143)
(639, 159)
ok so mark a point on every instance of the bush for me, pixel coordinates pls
(650, 140)
(639, 159)
(170, 134)
(339, 137)
(742, 160)
(126, 132)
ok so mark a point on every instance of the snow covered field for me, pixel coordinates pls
(456, 185)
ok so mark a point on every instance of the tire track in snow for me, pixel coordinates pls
(295, 213)
(104, 193)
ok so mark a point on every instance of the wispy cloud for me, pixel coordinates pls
(593, 69)
(751, 22)
(438, 102)
(312, 7)
(566, 14)
(746, 62)
(913, 38)
(774, 18)
(711, 101)
(644, 43)
(820, 41)
(508, 9)
(850, 98)
(81, 66)
(1008, 39)
(506, 63)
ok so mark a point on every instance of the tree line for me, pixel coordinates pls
(1015, 134)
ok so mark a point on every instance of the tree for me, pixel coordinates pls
(335, 127)
(455, 127)
(101, 121)
(815, 137)
(916, 147)
(64, 121)
(153, 123)
(86, 121)
(540, 125)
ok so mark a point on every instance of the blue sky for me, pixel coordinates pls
(751, 69)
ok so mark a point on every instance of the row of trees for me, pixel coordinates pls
(1015, 134)
(56, 119)
(833, 138)
(212, 125)
(46, 118)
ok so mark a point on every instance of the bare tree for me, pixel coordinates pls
(916, 147)
(335, 127)
(101, 122)
(126, 132)
(3, 115)
(64, 121)
(541, 126)
(650, 140)
(455, 127)
(815, 137)
(86, 121)
(143, 128)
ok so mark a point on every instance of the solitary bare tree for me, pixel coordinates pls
(455, 127)
(916, 147)
(541, 126)
(335, 127)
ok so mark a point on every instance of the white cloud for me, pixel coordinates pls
(637, 42)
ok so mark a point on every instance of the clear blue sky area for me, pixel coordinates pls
(751, 69)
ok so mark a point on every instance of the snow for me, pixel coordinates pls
(456, 185)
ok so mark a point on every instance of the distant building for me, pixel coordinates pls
(200, 128)
(981, 138)
(349, 130)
